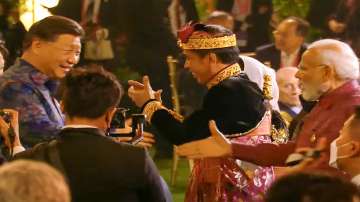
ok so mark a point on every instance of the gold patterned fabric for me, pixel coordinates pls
(153, 106)
(229, 71)
(208, 43)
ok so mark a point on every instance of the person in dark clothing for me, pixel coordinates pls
(14, 36)
(345, 24)
(219, 69)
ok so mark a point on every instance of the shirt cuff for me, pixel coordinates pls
(18, 149)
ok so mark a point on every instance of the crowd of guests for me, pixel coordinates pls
(267, 127)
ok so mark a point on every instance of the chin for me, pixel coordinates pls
(311, 96)
(59, 75)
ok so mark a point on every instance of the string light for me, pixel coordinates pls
(36, 10)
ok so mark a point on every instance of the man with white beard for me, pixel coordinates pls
(328, 73)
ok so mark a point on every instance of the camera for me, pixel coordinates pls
(296, 158)
(11, 133)
(118, 122)
(6, 116)
(119, 118)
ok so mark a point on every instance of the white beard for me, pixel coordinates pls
(311, 93)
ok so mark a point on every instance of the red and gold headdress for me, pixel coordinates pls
(187, 40)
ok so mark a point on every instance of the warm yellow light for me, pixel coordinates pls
(34, 12)
(49, 3)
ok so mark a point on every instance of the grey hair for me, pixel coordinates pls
(32, 181)
(338, 55)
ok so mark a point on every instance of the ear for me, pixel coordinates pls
(328, 72)
(36, 45)
(355, 148)
(213, 58)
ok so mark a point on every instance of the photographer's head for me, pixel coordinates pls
(312, 187)
(345, 150)
(90, 96)
(53, 45)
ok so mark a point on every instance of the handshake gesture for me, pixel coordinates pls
(140, 93)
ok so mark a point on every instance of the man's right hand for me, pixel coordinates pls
(14, 123)
(215, 146)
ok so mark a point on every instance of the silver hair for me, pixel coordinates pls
(338, 55)
(31, 181)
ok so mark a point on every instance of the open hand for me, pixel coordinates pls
(140, 93)
(216, 145)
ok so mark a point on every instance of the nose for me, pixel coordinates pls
(73, 59)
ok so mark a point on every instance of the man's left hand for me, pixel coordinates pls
(140, 93)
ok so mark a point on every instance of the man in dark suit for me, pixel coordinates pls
(97, 167)
(289, 44)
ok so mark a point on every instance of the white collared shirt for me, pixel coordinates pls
(289, 60)
(78, 126)
(296, 109)
(356, 180)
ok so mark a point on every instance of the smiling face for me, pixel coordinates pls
(198, 66)
(59, 56)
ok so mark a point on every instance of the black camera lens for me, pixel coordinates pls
(6, 116)
(119, 118)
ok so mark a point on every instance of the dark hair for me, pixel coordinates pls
(302, 26)
(49, 28)
(90, 92)
(225, 55)
(313, 187)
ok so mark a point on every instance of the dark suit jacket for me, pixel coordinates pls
(269, 53)
(287, 109)
(99, 169)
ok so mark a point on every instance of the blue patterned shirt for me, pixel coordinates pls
(31, 93)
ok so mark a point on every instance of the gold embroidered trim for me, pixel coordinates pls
(208, 43)
(229, 71)
(267, 89)
(153, 106)
(279, 136)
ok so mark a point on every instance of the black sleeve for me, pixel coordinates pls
(196, 125)
(34, 153)
(155, 189)
(224, 103)
(193, 127)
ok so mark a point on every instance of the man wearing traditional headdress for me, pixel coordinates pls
(233, 101)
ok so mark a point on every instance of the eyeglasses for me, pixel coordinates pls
(281, 34)
(303, 69)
